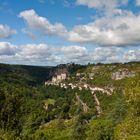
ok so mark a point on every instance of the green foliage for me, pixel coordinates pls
(129, 128)
(23, 96)
(100, 129)
(79, 128)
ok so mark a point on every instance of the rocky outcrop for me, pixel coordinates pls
(56, 80)
(98, 107)
(83, 76)
(122, 73)
(58, 74)
(84, 105)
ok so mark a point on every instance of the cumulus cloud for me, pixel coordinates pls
(138, 2)
(32, 54)
(75, 54)
(74, 51)
(41, 24)
(35, 52)
(107, 54)
(28, 32)
(101, 3)
(120, 30)
(6, 31)
(132, 55)
(50, 54)
(43, 54)
(107, 6)
(7, 49)
(118, 27)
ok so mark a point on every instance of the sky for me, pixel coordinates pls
(52, 32)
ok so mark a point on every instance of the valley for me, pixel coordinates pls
(70, 102)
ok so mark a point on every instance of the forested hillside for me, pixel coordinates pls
(94, 102)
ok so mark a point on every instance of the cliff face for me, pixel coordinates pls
(57, 75)
(60, 69)
(122, 73)
(55, 80)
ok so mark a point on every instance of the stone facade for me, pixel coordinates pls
(57, 79)
(63, 76)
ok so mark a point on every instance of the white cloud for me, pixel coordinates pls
(106, 54)
(106, 6)
(52, 55)
(6, 32)
(75, 51)
(41, 24)
(116, 27)
(120, 30)
(43, 54)
(34, 51)
(7, 49)
(33, 54)
(132, 55)
(75, 54)
(28, 32)
(138, 2)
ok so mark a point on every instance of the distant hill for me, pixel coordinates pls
(33, 74)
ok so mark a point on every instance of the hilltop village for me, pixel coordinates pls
(62, 78)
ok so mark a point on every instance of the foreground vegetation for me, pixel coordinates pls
(31, 111)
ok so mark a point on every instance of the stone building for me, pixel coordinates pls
(57, 79)
(63, 76)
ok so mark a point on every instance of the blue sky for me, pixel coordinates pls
(57, 11)
(50, 32)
